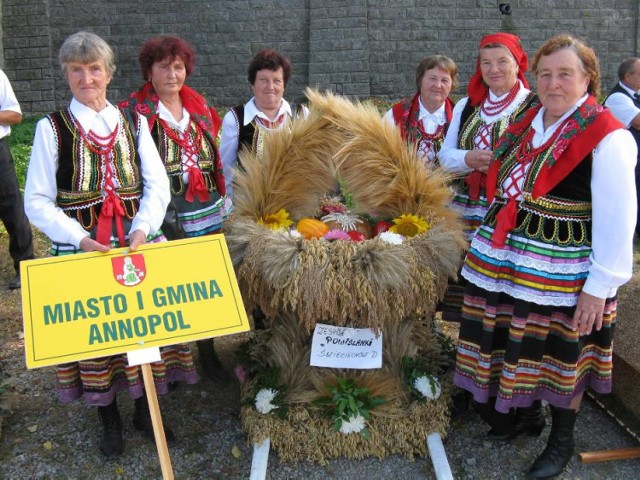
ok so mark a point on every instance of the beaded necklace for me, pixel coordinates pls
(526, 152)
(430, 140)
(189, 145)
(491, 108)
(98, 144)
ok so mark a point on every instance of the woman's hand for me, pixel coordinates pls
(136, 238)
(87, 244)
(478, 159)
(588, 313)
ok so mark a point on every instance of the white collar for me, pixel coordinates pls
(87, 116)
(251, 111)
(439, 115)
(168, 117)
(538, 121)
(630, 90)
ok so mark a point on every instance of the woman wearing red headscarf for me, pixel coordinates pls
(498, 92)
(544, 267)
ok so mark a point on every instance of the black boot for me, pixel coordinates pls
(142, 421)
(560, 445)
(111, 444)
(529, 420)
(485, 410)
(210, 363)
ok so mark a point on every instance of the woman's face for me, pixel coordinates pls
(168, 76)
(435, 87)
(268, 88)
(499, 69)
(561, 82)
(88, 83)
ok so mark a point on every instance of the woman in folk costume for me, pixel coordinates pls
(244, 126)
(497, 93)
(95, 181)
(184, 128)
(544, 266)
(424, 118)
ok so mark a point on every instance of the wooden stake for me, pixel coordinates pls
(156, 421)
(606, 455)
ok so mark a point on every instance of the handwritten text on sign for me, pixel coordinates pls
(343, 347)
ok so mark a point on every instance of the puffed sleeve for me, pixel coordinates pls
(155, 184)
(613, 193)
(41, 191)
(451, 157)
(229, 150)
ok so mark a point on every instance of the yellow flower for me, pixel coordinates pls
(276, 221)
(409, 225)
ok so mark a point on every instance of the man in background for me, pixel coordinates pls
(11, 205)
(624, 103)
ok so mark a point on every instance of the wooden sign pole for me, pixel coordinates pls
(156, 421)
(606, 455)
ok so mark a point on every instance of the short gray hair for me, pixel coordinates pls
(86, 47)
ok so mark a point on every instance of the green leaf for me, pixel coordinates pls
(365, 433)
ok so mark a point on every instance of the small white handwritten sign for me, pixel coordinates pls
(343, 347)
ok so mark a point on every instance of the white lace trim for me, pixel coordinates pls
(508, 255)
(568, 300)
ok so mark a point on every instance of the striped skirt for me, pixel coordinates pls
(99, 380)
(519, 352)
(202, 218)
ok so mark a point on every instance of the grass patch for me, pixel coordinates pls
(20, 142)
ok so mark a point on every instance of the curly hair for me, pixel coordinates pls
(158, 48)
(587, 57)
(269, 59)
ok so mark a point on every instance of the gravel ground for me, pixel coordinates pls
(45, 439)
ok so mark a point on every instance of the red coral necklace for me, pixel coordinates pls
(491, 108)
(190, 145)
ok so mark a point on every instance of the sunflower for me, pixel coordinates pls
(276, 221)
(409, 225)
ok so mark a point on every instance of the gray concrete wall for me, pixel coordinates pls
(355, 47)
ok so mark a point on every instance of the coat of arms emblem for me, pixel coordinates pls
(129, 270)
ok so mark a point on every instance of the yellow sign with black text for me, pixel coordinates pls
(91, 305)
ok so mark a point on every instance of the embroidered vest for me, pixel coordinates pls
(171, 155)
(562, 216)
(402, 113)
(250, 135)
(80, 175)
(634, 131)
(471, 122)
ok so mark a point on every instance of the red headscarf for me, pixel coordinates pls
(477, 89)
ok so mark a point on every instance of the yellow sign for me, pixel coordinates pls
(90, 305)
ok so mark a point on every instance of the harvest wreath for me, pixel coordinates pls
(339, 222)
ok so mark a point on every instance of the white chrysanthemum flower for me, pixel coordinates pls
(353, 425)
(428, 386)
(392, 238)
(295, 233)
(264, 398)
(346, 220)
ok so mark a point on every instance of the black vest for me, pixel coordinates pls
(246, 133)
(634, 131)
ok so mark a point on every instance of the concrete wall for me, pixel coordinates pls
(355, 47)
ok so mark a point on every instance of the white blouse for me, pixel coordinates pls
(41, 188)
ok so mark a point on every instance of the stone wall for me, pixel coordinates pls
(355, 47)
